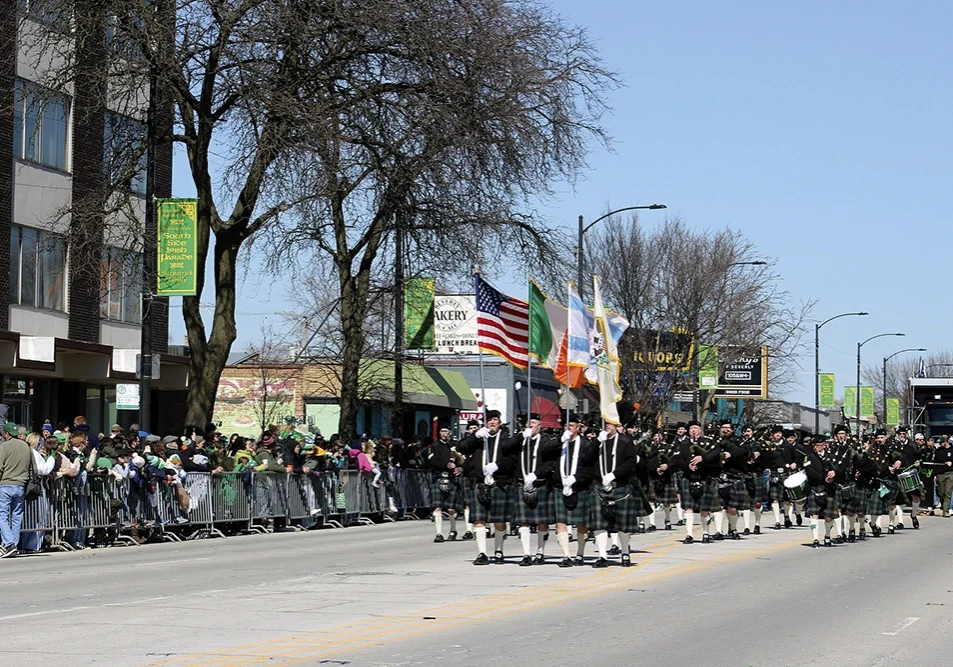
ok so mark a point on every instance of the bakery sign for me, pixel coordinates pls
(455, 324)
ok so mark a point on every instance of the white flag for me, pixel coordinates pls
(606, 358)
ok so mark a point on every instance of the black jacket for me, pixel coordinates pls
(623, 465)
(545, 463)
(508, 449)
(585, 469)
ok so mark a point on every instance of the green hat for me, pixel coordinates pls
(60, 436)
(11, 428)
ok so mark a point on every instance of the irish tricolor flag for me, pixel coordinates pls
(550, 340)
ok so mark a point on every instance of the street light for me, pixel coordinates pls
(886, 359)
(860, 345)
(754, 263)
(939, 366)
(817, 367)
(586, 228)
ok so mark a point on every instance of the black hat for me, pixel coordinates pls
(725, 422)
(573, 418)
(880, 431)
(472, 422)
(681, 425)
(788, 432)
(693, 423)
(443, 425)
(535, 415)
(902, 429)
(840, 428)
(491, 414)
(777, 428)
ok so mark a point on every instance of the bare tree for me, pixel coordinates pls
(273, 384)
(900, 369)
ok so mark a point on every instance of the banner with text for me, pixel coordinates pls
(742, 372)
(418, 314)
(707, 366)
(866, 401)
(893, 411)
(826, 381)
(177, 270)
(850, 401)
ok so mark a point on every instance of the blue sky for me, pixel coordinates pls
(820, 130)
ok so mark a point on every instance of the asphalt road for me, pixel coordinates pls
(386, 595)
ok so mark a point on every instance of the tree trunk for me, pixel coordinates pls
(352, 329)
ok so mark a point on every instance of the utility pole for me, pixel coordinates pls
(150, 235)
(397, 421)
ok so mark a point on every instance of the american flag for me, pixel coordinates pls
(502, 324)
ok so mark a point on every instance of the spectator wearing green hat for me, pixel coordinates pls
(15, 458)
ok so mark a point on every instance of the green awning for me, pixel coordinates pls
(423, 385)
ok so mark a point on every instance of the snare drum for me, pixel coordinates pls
(795, 486)
(909, 480)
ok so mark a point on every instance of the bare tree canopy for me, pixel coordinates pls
(335, 122)
(900, 369)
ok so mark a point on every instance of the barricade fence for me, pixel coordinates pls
(103, 509)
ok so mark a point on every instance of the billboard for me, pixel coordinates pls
(455, 324)
(658, 350)
(742, 373)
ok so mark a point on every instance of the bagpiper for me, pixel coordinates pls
(573, 481)
(700, 464)
(446, 492)
(535, 504)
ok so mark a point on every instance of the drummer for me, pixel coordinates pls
(794, 455)
(910, 458)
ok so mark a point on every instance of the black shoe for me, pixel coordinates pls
(733, 535)
(539, 559)
(787, 521)
(706, 539)
(626, 561)
(798, 519)
(498, 558)
(681, 522)
(578, 561)
(615, 551)
(840, 539)
(600, 563)
(851, 537)
(828, 542)
(916, 523)
(877, 531)
(863, 535)
(481, 560)
(777, 526)
(668, 525)
(899, 526)
(565, 562)
(514, 532)
(438, 539)
(816, 545)
(719, 537)
(467, 536)
(689, 539)
(748, 531)
(642, 528)
(757, 530)
(652, 528)
(452, 537)
(891, 530)
(527, 561)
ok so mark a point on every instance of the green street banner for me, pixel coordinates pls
(826, 381)
(707, 366)
(850, 401)
(893, 411)
(866, 401)
(177, 270)
(418, 314)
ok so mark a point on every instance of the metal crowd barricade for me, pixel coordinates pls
(301, 499)
(414, 491)
(231, 499)
(269, 497)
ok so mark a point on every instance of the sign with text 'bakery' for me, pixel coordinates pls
(742, 373)
(455, 324)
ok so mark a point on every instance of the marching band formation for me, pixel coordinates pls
(612, 485)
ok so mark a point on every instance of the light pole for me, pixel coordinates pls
(585, 228)
(939, 366)
(886, 359)
(817, 367)
(860, 345)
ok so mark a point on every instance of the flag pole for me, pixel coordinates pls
(529, 362)
(568, 329)
(476, 289)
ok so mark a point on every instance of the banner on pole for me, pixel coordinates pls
(893, 411)
(707, 366)
(176, 251)
(826, 381)
(866, 401)
(419, 314)
(850, 401)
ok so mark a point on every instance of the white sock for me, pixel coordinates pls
(776, 508)
(757, 516)
(526, 540)
(814, 528)
(852, 523)
(438, 521)
(602, 543)
(667, 513)
(706, 523)
(498, 538)
(875, 521)
(562, 539)
(828, 524)
(614, 539)
(541, 536)
(453, 522)
(624, 542)
(732, 523)
(746, 515)
(480, 539)
(789, 510)
(466, 519)
(899, 514)
(914, 506)
(719, 522)
(689, 522)
(681, 512)
(580, 544)
(837, 529)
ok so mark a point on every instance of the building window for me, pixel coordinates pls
(121, 280)
(53, 13)
(124, 150)
(40, 125)
(37, 268)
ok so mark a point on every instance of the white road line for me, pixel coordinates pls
(902, 625)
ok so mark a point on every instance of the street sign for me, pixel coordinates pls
(127, 397)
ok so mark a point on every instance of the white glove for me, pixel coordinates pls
(529, 479)
(527, 433)
(607, 479)
(483, 433)
(490, 468)
(569, 481)
(567, 436)
(567, 490)
(603, 436)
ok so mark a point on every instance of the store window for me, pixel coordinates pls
(37, 268)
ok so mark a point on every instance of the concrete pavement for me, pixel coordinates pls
(386, 595)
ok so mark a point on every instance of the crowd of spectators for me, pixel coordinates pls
(72, 450)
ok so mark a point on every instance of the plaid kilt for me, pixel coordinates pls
(875, 505)
(663, 492)
(830, 510)
(709, 501)
(849, 505)
(756, 490)
(500, 509)
(776, 488)
(893, 492)
(577, 516)
(629, 509)
(455, 500)
(544, 512)
(734, 497)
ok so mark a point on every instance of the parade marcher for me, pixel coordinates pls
(573, 480)
(681, 437)
(618, 502)
(700, 464)
(775, 458)
(927, 471)
(445, 484)
(664, 478)
(794, 453)
(943, 473)
(910, 457)
(843, 455)
(756, 487)
(646, 450)
(731, 483)
(874, 471)
(535, 502)
(491, 468)
(821, 472)
(472, 427)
